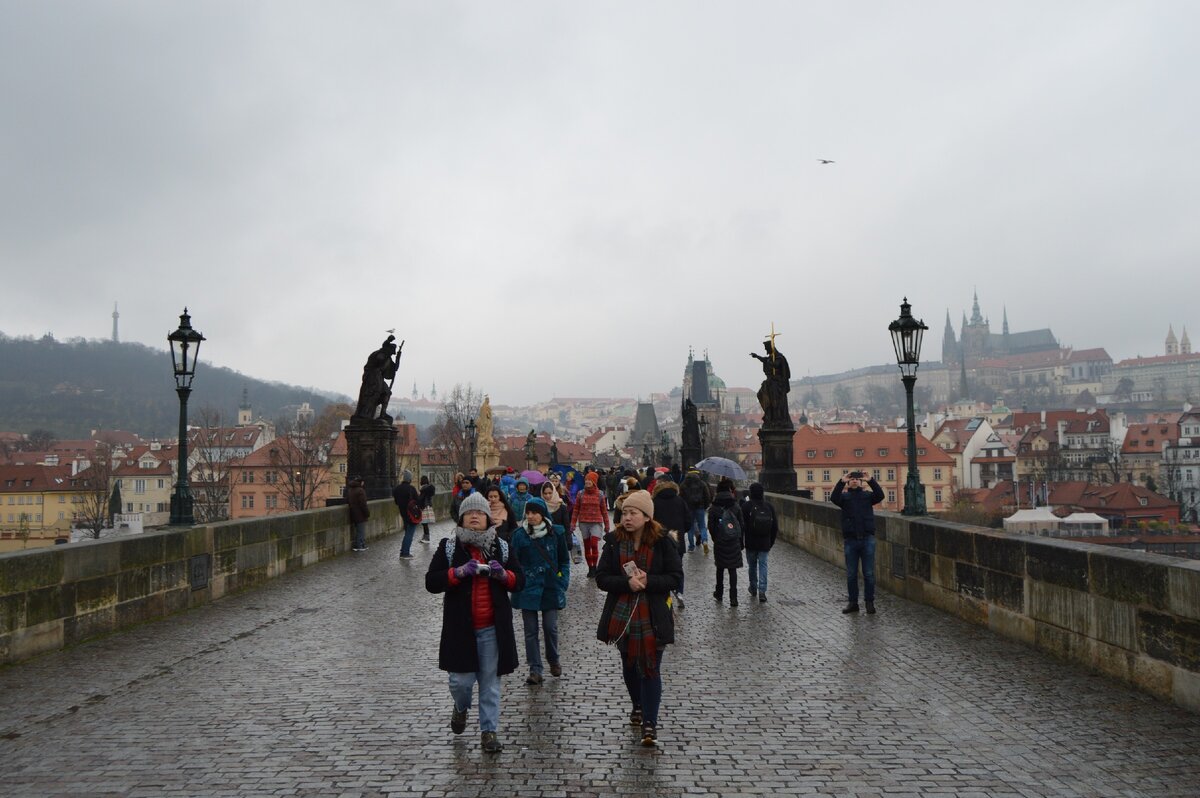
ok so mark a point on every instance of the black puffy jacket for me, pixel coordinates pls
(858, 513)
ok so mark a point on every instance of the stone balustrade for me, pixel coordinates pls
(1130, 615)
(53, 597)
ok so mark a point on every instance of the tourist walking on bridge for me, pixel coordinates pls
(545, 559)
(673, 513)
(427, 517)
(590, 520)
(409, 503)
(762, 528)
(858, 534)
(476, 570)
(698, 495)
(502, 515)
(726, 523)
(639, 569)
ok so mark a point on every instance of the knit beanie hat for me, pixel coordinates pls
(538, 505)
(591, 476)
(641, 500)
(473, 502)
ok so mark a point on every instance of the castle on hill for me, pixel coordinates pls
(977, 341)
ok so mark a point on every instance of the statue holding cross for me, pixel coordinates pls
(773, 394)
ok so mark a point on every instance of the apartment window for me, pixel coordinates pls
(161, 484)
(827, 494)
(38, 518)
(271, 501)
(920, 451)
(829, 453)
(875, 474)
(937, 474)
(891, 474)
(937, 496)
(270, 477)
(891, 497)
(883, 452)
(858, 452)
(62, 499)
(247, 501)
(811, 454)
(248, 476)
(62, 516)
(139, 486)
(808, 475)
(341, 468)
(825, 475)
(129, 507)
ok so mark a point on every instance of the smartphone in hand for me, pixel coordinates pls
(630, 568)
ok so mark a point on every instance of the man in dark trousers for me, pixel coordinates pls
(409, 501)
(356, 498)
(858, 534)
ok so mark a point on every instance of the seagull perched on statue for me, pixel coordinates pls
(825, 160)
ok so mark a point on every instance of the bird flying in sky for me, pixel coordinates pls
(825, 160)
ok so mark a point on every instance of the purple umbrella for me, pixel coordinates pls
(534, 477)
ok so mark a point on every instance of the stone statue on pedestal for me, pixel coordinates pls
(773, 394)
(379, 373)
(691, 426)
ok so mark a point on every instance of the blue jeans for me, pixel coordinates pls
(756, 561)
(461, 684)
(699, 531)
(644, 692)
(360, 535)
(409, 531)
(533, 654)
(860, 551)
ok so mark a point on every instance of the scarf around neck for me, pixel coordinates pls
(480, 540)
(539, 531)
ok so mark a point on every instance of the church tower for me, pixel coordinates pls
(1185, 346)
(116, 339)
(1172, 341)
(415, 395)
(949, 344)
(245, 413)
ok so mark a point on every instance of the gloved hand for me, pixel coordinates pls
(469, 568)
(497, 570)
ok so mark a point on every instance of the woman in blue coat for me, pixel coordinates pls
(544, 554)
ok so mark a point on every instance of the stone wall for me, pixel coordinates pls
(1130, 615)
(53, 597)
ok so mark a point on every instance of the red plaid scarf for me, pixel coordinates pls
(630, 619)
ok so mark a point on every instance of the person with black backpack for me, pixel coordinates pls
(696, 493)
(408, 501)
(725, 524)
(762, 527)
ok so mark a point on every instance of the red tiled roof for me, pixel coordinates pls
(1157, 360)
(39, 478)
(1148, 438)
(1081, 355)
(844, 444)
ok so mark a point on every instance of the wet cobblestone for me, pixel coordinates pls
(324, 683)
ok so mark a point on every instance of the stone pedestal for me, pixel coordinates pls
(778, 474)
(371, 455)
(486, 456)
(690, 456)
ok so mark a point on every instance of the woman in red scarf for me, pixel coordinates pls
(639, 568)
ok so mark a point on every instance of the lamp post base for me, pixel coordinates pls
(914, 496)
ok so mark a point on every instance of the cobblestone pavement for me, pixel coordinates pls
(324, 683)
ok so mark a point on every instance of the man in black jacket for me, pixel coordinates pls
(762, 528)
(409, 501)
(858, 534)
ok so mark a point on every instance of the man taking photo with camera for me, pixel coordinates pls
(858, 534)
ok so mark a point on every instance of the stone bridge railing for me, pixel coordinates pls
(1130, 615)
(53, 597)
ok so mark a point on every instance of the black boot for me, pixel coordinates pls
(733, 598)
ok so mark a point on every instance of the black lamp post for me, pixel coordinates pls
(472, 436)
(646, 454)
(185, 349)
(703, 434)
(906, 338)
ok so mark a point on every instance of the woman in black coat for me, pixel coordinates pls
(639, 568)
(476, 570)
(727, 542)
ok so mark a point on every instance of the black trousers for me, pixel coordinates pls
(732, 580)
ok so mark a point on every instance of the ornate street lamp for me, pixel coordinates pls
(703, 434)
(906, 338)
(472, 436)
(185, 349)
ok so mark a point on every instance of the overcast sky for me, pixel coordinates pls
(558, 199)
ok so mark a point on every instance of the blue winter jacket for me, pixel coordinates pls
(546, 563)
